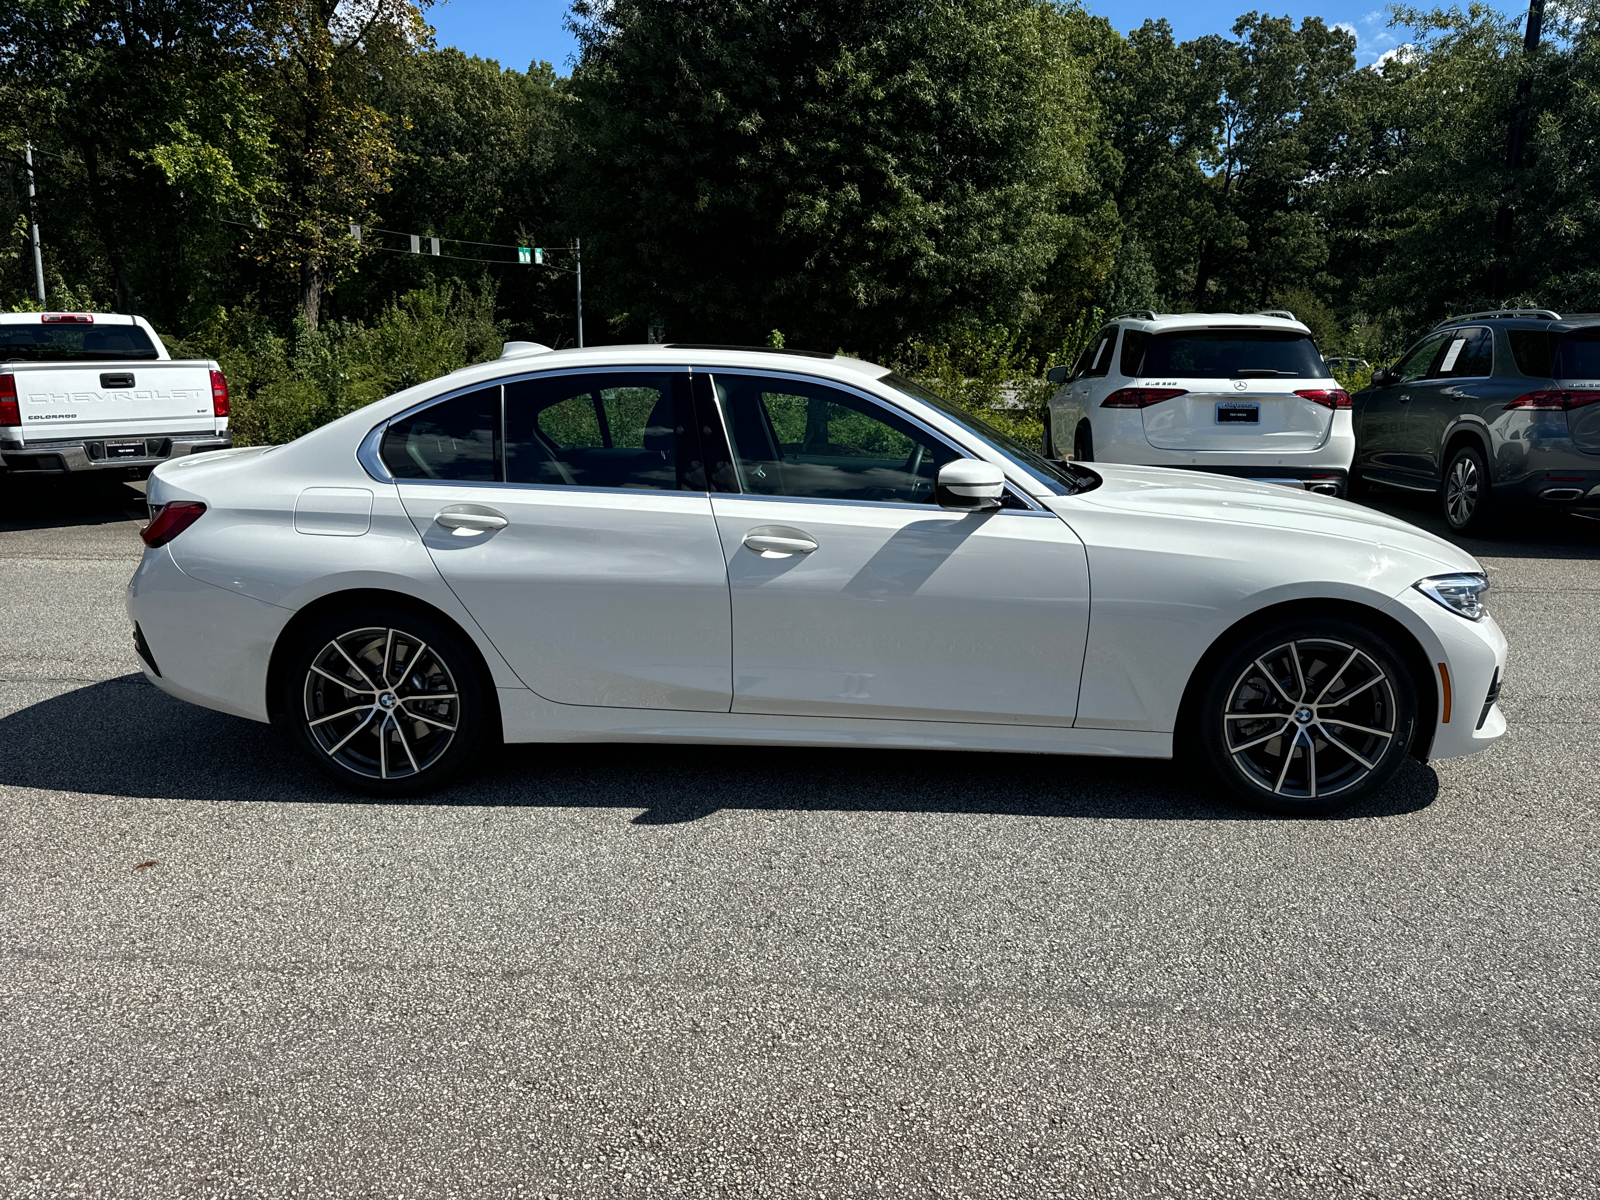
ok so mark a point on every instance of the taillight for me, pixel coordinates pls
(171, 520)
(1327, 397)
(1140, 397)
(67, 319)
(9, 413)
(219, 395)
(1556, 400)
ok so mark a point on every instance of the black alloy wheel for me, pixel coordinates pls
(1465, 495)
(1307, 717)
(1083, 443)
(386, 701)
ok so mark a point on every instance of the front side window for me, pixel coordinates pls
(607, 429)
(1418, 362)
(804, 439)
(453, 440)
(1231, 354)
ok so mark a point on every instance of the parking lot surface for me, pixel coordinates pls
(637, 971)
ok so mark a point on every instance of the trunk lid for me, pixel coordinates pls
(1238, 414)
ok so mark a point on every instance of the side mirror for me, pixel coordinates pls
(1058, 374)
(969, 485)
(1383, 376)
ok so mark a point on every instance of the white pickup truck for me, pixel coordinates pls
(99, 392)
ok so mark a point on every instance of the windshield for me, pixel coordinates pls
(1231, 354)
(1061, 478)
(75, 343)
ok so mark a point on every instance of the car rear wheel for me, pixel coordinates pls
(1083, 443)
(1465, 496)
(1307, 717)
(385, 701)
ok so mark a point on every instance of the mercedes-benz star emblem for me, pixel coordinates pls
(1240, 385)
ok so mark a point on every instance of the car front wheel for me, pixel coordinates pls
(1307, 717)
(385, 701)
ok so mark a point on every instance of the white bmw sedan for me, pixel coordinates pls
(708, 544)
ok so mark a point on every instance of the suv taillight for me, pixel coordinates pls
(10, 414)
(219, 395)
(170, 520)
(1556, 400)
(1327, 397)
(1140, 397)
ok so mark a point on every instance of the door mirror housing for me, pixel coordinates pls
(1384, 376)
(970, 485)
(1058, 374)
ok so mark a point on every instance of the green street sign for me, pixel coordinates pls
(538, 255)
(524, 255)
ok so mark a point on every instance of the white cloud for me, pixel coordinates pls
(1348, 28)
(1402, 53)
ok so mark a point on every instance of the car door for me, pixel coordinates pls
(1384, 446)
(855, 595)
(569, 513)
(1461, 379)
(1088, 390)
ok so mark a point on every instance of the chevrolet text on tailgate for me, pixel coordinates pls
(98, 391)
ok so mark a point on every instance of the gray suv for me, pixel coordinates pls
(1490, 409)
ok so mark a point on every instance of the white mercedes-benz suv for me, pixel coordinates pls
(1238, 394)
(704, 544)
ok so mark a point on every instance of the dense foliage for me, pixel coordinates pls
(963, 187)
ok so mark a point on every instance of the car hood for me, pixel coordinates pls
(1199, 496)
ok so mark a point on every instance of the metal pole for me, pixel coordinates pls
(577, 244)
(33, 216)
(1500, 273)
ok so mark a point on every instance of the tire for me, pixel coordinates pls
(1083, 443)
(345, 721)
(1335, 689)
(1465, 496)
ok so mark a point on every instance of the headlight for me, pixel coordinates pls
(1461, 594)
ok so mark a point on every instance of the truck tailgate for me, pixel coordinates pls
(109, 400)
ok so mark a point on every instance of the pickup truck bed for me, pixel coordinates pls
(83, 392)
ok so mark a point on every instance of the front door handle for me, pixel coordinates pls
(470, 520)
(1406, 399)
(779, 541)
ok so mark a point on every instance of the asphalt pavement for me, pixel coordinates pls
(637, 971)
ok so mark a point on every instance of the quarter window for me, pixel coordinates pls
(808, 440)
(453, 440)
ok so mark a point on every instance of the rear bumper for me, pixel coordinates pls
(66, 457)
(1330, 481)
(1577, 490)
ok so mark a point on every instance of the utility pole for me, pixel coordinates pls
(33, 218)
(1499, 271)
(577, 244)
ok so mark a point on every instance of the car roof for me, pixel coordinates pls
(529, 357)
(35, 318)
(1523, 318)
(1154, 322)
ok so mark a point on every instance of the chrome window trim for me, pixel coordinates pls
(373, 464)
(869, 397)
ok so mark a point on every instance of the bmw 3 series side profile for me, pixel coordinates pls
(713, 545)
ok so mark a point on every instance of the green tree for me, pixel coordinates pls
(848, 172)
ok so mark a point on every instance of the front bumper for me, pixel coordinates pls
(1472, 655)
(69, 456)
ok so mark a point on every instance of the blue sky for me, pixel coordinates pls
(517, 32)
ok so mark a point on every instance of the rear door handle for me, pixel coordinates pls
(470, 520)
(779, 541)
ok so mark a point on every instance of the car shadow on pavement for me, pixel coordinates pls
(52, 502)
(148, 744)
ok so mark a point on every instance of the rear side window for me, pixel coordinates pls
(1231, 354)
(1099, 358)
(1468, 354)
(453, 440)
(607, 429)
(75, 343)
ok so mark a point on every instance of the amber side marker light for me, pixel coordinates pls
(1444, 678)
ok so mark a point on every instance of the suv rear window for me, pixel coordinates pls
(1232, 354)
(1545, 354)
(75, 343)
